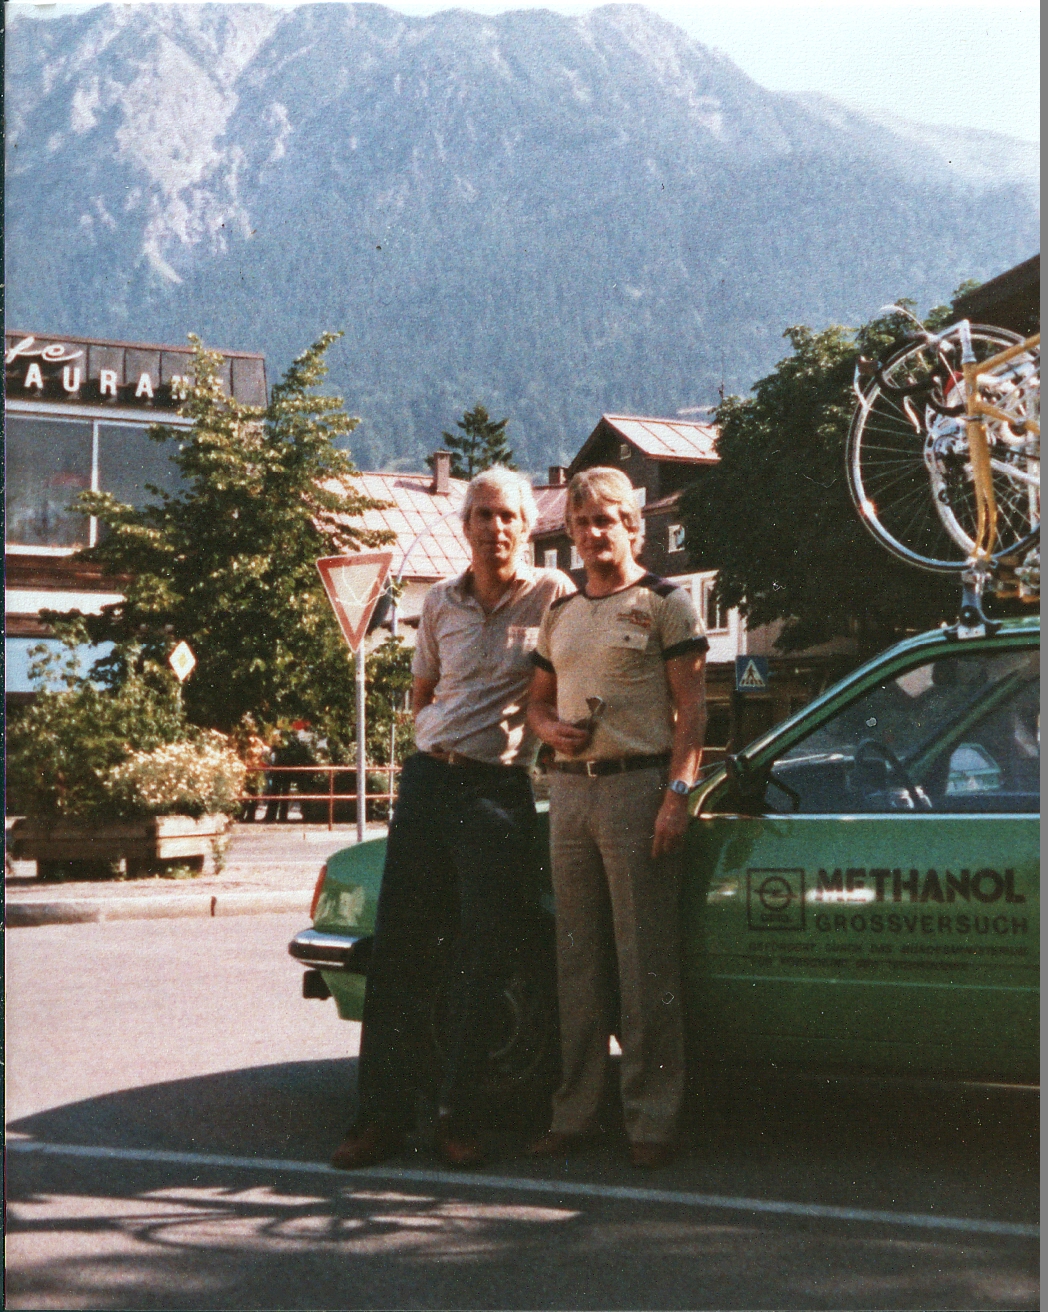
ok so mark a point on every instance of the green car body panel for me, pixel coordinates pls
(902, 943)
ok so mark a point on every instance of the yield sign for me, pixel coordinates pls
(353, 585)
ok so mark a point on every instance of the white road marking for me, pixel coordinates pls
(571, 1188)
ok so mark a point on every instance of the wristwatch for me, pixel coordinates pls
(679, 787)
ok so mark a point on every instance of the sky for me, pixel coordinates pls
(963, 63)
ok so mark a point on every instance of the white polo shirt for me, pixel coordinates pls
(481, 663)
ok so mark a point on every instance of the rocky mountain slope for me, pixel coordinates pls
(556, 216)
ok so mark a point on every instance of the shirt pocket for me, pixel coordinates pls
(626, 653)
(629, 638)
(521, 641)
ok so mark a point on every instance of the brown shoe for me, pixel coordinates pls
(368, 1147)
(651, 1155)
(458, 1150)
(555, 1144)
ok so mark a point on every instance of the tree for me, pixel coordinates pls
(227, 563)
(775, 518)
(481, 444)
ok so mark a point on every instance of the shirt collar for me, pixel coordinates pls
(463, 593)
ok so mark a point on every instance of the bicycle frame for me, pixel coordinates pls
(977, 410)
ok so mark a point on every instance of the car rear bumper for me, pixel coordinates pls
(326, 951)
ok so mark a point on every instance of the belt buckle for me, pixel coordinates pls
(591, 770)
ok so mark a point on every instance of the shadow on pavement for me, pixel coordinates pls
(91, 1233)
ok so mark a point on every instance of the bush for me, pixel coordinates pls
(82, 751)
(202, 776)
(62, 748)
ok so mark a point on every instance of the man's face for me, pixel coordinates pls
(495, 530)
(599, 534)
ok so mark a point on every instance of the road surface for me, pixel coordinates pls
(172, 1102)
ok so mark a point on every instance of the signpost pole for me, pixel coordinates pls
(362, 806)
(353, 585)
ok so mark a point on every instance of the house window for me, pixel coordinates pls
(675, 536)
(49, 462)
(129, 462)
(549, 559)
(576, 559)
(625, 451)
(715, 615)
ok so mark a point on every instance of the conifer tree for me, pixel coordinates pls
(480, 444)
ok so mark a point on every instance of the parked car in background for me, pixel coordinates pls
(861, 887)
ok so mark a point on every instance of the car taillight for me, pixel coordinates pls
(317, 891)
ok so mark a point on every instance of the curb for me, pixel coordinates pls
(96, 910)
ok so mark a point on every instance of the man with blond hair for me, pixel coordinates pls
(460, 859)
(618, 811)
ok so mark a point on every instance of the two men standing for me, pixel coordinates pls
(461, 848)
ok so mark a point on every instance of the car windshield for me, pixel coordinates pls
(961, 732)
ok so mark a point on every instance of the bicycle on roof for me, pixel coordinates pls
(944, 454)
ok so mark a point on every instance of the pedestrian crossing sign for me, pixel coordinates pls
(751, 673)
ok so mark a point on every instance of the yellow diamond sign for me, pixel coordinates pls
(182, 661)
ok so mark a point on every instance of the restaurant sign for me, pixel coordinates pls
(37, 370)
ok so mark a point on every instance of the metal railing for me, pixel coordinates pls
(289, 798)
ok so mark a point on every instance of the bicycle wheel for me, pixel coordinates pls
(909, 470)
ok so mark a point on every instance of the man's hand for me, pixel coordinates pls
(542, 716)
(564, 737)
(670, 824)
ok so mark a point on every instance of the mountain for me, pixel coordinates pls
(555, 216)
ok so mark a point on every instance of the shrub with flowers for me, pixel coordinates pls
(113, 743)
(202, 776)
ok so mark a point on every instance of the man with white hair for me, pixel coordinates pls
(460, 859)
(618, 811)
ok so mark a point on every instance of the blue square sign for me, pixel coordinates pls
(751, 673)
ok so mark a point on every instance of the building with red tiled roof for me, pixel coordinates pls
(424, 512)
(660, 457)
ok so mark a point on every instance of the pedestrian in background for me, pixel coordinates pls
(618, 812)
(461, 856)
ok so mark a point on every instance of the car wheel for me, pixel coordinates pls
(522, 1067)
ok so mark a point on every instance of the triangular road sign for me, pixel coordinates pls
(354, 585)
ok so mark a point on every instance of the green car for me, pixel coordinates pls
(861, 885)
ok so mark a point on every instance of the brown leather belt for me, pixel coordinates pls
(456, 758)
(618, 765)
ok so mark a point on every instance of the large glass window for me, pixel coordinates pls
(128, 459)
(957, 734)
(48, 464)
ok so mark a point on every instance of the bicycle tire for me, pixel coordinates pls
(907, 455)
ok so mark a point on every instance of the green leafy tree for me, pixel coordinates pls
(387, 710)
(228, 562)
(775, 518)
(480, 444)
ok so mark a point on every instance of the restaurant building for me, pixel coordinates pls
(77, 415)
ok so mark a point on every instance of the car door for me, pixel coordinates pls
(871, 897)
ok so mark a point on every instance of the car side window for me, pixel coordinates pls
(957, 734)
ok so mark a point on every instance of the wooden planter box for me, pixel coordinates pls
(131, 847)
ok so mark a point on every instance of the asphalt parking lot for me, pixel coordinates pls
(172, 1103)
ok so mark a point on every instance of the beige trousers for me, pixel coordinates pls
(613, 898)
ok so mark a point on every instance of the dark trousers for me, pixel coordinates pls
(460, 869)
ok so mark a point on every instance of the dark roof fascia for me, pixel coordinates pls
(184, 349)
(1013, 282)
